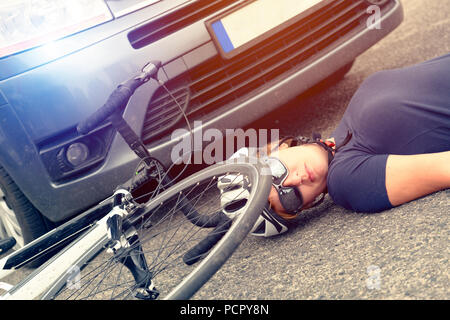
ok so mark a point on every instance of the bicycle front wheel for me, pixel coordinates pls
(163, 244)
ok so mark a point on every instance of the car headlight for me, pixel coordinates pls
(25, 24)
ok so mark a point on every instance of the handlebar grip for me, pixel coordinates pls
(117, 100)
(119, 97)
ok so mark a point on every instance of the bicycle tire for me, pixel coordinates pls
(189, 278)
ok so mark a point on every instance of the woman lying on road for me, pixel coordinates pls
(391, 146)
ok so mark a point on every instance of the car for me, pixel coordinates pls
(230, 60)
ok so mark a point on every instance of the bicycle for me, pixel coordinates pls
(139, 244)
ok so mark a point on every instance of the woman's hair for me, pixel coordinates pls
(274, 146)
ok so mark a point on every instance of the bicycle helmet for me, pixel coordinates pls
(328, 145)
(269, 224)
(233, 197)
(233, 194)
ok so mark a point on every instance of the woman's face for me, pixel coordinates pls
(308, 169)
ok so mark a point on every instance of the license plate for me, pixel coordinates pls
(251, 22)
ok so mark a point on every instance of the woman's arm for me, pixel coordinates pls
(412, 176)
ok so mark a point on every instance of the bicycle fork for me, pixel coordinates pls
(127, 249)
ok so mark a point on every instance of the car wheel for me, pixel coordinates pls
(18, 217)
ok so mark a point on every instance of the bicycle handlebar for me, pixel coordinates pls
(119, 98)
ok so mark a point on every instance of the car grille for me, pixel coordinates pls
(218, 82)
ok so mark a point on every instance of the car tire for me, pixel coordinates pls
(19, 218)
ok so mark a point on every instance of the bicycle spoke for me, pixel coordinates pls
(163, 236)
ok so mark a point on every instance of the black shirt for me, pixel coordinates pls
(401, 111)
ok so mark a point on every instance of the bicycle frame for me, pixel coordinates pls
(54, 238)
(52, 275)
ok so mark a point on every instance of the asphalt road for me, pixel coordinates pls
(334, 253)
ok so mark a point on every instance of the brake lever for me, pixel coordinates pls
(149, 71)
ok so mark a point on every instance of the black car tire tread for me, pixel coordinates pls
(30, 219)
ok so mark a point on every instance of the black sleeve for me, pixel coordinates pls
(358, 182)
